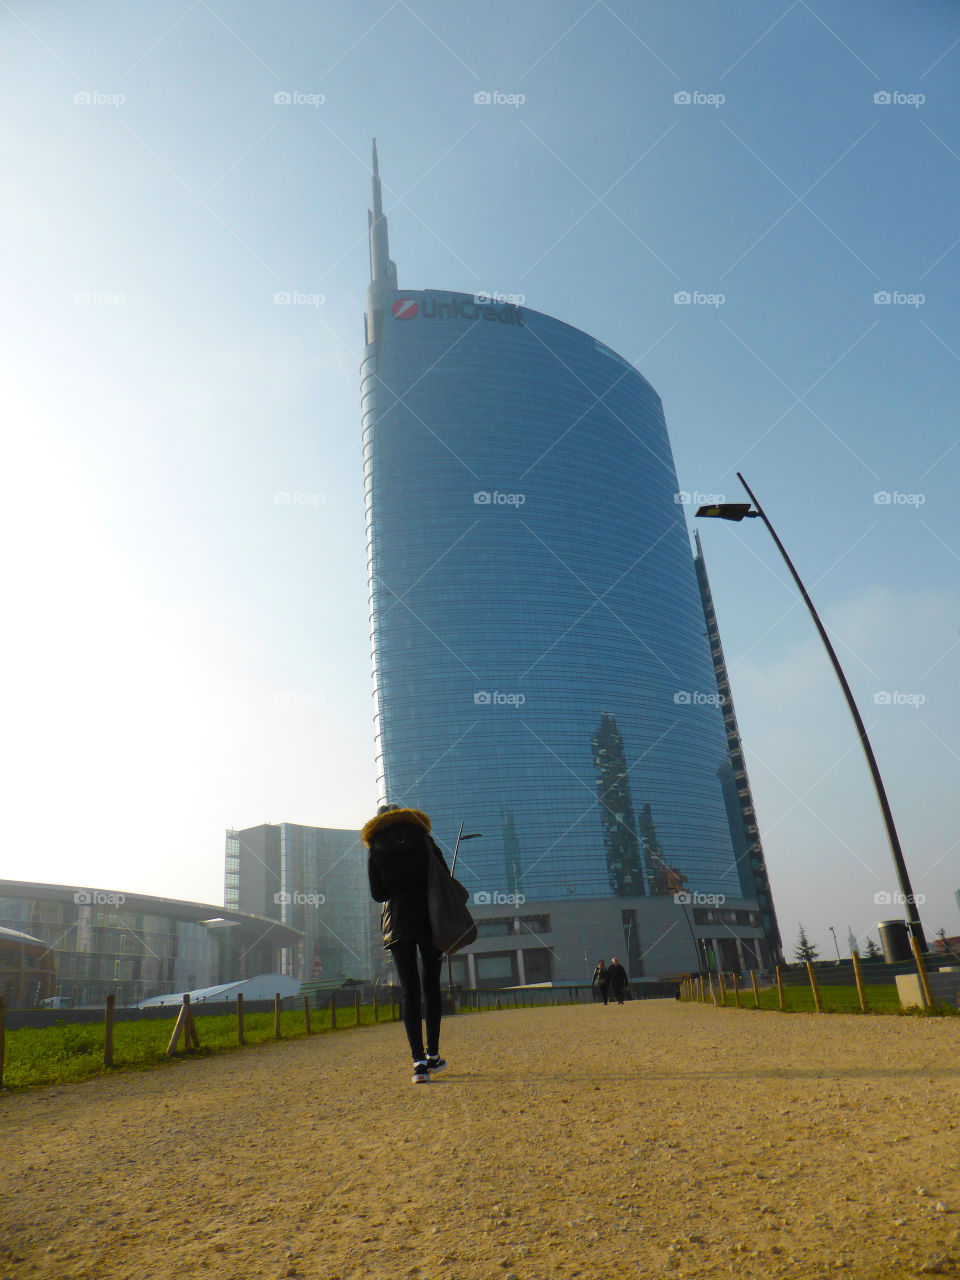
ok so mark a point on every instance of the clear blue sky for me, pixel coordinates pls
(185, 652)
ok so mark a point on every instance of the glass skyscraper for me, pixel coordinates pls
(541, 667)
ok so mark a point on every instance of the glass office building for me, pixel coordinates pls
(541, 667)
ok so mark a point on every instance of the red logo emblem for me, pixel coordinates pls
(405, 308)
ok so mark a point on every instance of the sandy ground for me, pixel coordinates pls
(649, 1140)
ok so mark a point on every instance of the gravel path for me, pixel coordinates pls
(645, 1140)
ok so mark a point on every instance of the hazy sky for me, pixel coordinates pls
(185, 652)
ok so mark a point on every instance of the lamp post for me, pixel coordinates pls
(475, 835)
(835, 942)
(739, 510)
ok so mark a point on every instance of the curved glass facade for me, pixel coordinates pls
(540, 662)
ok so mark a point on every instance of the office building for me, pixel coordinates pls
(540, 664)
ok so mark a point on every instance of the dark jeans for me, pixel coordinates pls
(603, 988)
(405, 957)
(618, 991)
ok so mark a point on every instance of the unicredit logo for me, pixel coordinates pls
(458, 306)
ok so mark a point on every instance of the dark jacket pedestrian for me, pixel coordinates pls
(618, 979)
(601, 980)
(401, 847)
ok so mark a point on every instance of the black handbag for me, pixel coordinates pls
(451, 924)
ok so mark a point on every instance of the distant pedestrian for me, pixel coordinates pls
(601, 980)
(400, 847)
(618, 979)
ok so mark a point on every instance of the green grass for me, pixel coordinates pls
(69, 1052)
(882, 998)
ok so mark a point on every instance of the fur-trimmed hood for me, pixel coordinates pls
(389, 818)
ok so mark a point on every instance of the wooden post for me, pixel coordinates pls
(306, 1013)
(333, 1011)
(108, 1030)
(3, 1035)
(783, 1003)
(277, 1007)
(922, 972)
(498, 1000)
(240, 1039)
(376, 1006)
(861, 991)
(723, 989)
(818, 1003)
(736, 989)
(190, 1036)
(713, 994)
(180, 1025)
(356, 1006)
(756, 989)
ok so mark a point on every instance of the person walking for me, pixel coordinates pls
(400, 846)
(618, 979)
(601, 980)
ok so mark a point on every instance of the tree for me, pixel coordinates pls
(804, 950)
(871, 951)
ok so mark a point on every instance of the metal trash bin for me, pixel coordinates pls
(895, 940)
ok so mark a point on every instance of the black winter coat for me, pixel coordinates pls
(399, 881)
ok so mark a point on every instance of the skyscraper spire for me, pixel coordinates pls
(382, 271)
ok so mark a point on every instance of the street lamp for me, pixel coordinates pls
(835, 942)
(739, 510)
(474, 835)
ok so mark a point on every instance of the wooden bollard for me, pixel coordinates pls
(756, 989)
(240, 1039)
(818, 1003)
(783, 1003)
(108, 1030)
(306, 1013)
(3, 1035)
(736, 989)
(723, 989)
(858, 975)
(498, 1005)
(333, 1012)
(184, 1023)
(356, 1007)
(713, 994)
(376, 1007)
(922, 973)
(277, 1007)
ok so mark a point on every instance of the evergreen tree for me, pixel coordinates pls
(871, 951)
(804, 950)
